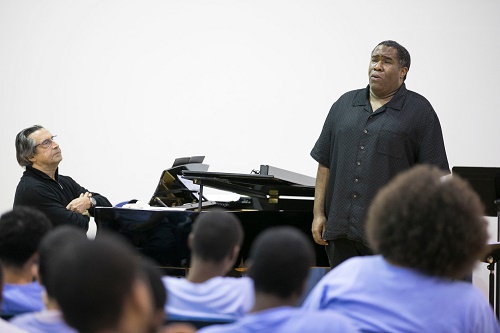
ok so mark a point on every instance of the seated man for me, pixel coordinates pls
(41, 186)
(50, 319)
(5, 326)
(206, 293)
(100, 286)
(21, 231)
(159, 293)
(280, 260)
(429, 232)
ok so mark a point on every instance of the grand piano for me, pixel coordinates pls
(269, 197)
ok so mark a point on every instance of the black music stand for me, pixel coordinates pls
(486, 182)
(491, 258)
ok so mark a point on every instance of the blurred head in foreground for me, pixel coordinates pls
(101, 287)
(429, 222)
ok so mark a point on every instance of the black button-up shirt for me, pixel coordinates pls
(364, 150)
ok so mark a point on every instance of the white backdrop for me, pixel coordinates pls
(128, 86)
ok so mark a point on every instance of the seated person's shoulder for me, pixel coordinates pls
(6, 327)
(22, 298)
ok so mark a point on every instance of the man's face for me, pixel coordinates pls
(46, 155)
(384, 73)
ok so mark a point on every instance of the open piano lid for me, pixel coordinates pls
(270, 181)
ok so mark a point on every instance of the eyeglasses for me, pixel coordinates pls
(47, 142)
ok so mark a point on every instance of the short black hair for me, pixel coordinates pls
(21, 231)
(215, 234)
(429, 223)
(94, 280)
(403, 54)
(54, 242)
(280, 260)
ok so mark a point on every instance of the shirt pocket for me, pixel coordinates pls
(391, 143)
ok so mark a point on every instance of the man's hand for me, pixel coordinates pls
(318, 229)
(80, 204)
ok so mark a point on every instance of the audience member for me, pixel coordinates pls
(429, 232)
(21, 230)
(159, 293)
(41, 186)
(280, 260)
(159, 299)
(50, 319)
(5, 326)
(206, 292)
(101, 287)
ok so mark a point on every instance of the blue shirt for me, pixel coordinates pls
(21, 298)
(48, 321)
(6, 327)
(381, 297)
(220, 298)
(286, 320)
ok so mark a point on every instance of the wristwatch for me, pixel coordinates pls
(93, 203)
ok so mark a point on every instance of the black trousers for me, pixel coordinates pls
(339, 250)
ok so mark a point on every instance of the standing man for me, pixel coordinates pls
(41, 186)
(369, 136)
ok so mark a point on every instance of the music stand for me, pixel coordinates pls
(492, 256)
(486, 182)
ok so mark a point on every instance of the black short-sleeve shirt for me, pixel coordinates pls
(364, 150)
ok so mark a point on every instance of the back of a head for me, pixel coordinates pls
(51, 245)
(21, 231)
(215, 234)
(93, 281)
(280, 261)
(428, 222)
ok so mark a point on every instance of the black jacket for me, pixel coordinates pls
(38, 190)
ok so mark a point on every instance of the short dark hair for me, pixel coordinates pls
(21, 231)
(403, 54)
(215, 234)
(54, 242)
(25, 146)
(429, 223)
(94, 280)
(280, 261)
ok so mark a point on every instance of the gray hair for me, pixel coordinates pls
(25, 146)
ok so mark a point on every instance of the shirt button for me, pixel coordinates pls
(370, 117)
(365, 131)
(356, 180)
(358, 163)
(362, 147)
(354, 195)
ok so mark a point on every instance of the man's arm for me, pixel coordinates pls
(83, 202)
(43, 198)
(319, 219)
(80, 204)
(432, 150)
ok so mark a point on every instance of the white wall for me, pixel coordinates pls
(128, 86)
